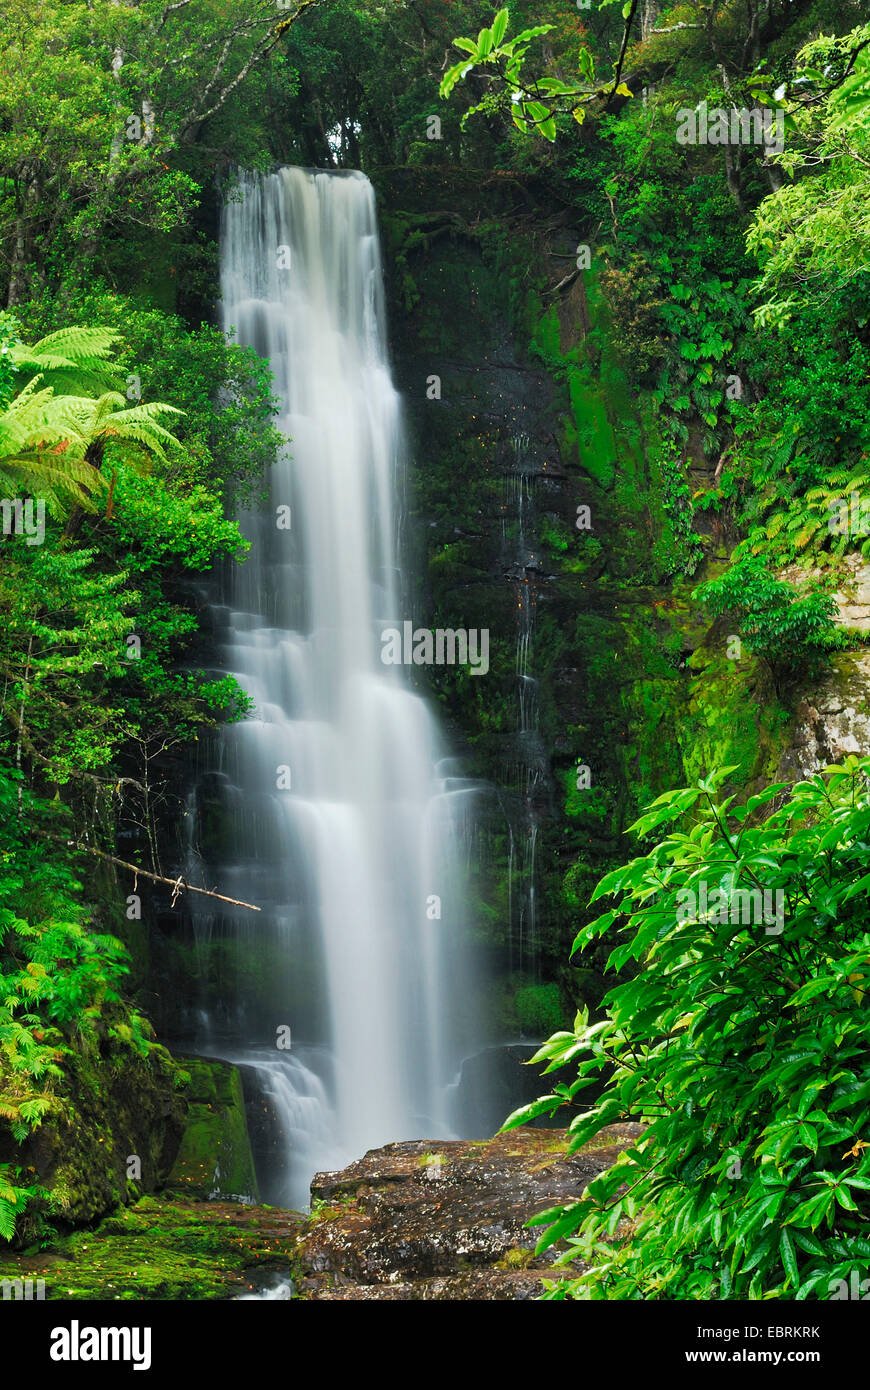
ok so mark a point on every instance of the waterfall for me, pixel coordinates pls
(340, 803)
(527, 772)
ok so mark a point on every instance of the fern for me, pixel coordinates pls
(8, 1214)
(73, 361)
(53, 435)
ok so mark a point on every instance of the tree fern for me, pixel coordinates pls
(8, 1214)
(73, 361)
(42, 451)
(107, 420)
(53, 445)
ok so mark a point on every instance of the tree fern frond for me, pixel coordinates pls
(78, 344)
(7, 1220)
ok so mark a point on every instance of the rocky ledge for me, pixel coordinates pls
(444, 1220)
(422, 1220)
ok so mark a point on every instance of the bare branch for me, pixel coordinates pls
(178, 884)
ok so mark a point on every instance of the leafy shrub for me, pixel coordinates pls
(791, 630)
(739, 1045)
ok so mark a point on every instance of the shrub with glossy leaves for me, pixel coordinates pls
(740, 1046)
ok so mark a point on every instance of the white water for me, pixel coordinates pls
(346, 858)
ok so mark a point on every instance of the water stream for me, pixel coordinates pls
(341, 812)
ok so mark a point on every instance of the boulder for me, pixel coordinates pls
(444, 1220)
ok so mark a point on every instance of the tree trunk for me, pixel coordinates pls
(18, 271)
(649, 13)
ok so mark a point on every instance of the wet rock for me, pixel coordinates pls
(830, 722)
(492, 1083)
(428, 1220)
(215, 1159)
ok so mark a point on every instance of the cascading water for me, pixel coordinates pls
(529, 771)
(339, 810)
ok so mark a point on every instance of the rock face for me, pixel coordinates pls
(427, 1220)
(214, 1159)
(853, 601)
(112, 1104)
(832, 719)
(831, 722)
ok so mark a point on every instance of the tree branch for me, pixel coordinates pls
(623, 50)
(197, 118)
(177, 883)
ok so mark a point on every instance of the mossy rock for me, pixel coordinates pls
(112, 1133)
(215, 1159)
(166, 1249)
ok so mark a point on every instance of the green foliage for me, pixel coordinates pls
(223, 390)
(102, 113)
(539, 1008)
(782, 415)
(42, 451)
(812, 236)
(792, 631)
(8, 343)
(15, 1197)
(72, 361)
(55, 444)
(57, 975)
(739, 1045)
(533, 102)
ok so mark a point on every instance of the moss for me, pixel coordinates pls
(214, 1159)
(517, 1258)
(519, 1005)
(694, 709)
(163, 1249)
(118, 1100)
(540, 1009)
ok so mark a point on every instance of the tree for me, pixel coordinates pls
(100, 106)
(37, 430)
(812, 236)
(55, 444)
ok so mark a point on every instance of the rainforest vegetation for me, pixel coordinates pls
(725, 287)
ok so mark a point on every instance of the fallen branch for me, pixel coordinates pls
(177, 884)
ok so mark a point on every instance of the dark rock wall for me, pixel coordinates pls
(520, 413)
